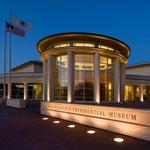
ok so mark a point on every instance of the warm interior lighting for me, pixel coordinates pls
(56, 122)
(44, 118)
(106, 47)
(119, 140)
(91, 131)
(61, 45)
(71, 126)
(84, 44)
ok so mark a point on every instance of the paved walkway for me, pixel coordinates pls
(24, 129)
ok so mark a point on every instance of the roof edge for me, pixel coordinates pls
(86, 33)
(26, 64)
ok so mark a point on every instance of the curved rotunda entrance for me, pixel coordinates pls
(83, 71)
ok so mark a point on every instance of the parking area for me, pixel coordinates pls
(26, 129)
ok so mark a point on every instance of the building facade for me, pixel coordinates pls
(77, 71)
(79, 68)
(26, 82)
(82, 67)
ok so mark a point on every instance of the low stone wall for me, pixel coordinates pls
(131, 122)
(18, 103)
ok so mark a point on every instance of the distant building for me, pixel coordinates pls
(26, 81)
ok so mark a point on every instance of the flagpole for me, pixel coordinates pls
(4, 83)
(10, 59)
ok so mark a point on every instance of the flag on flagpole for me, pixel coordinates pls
(12, 29)
(21, 24)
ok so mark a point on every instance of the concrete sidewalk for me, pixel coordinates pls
(24, 129)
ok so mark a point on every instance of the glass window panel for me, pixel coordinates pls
(79, 84)
(84, 68)
(61, 45)
(79, 58)
(89, 92)
(79, 65)
(106, 78)
(109, 61)
(79, 44)
(103, 66)
(17, 90)
(88, 76)
(63, 83)
(88, 58)
(64, 58)
(61, 78)
(64, 75)
(103, 59)
(106, 47)
(89, 45)
(57, 92)
(103, 75)
(88, 66)
(58, 58)
(79, 75)
(129, 92)
(79, 92)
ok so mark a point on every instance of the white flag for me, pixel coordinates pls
(21, 24)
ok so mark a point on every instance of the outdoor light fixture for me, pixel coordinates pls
(56, 122)
(90, 131)
(119, 140)
(44, 118)
(71, 126)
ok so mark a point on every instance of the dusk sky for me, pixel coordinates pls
(128, 21)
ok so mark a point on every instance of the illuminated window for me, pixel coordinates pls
(84, 44)
(106, 78)
(146, 92)
(62, 45)
(61, 78)
(105, 47)
(83, 86)
(88, 45)
(74, 44)
(132, 92)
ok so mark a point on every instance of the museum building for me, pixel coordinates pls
(80, 68)
(79, 72)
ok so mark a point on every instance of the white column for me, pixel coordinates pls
(70, 77)
(122, 81)
(25, 91)
(97, 78)
(116, 80)
(9, 90)
(50, 78)
(4, 91)
(141, 93)
(45, 68)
